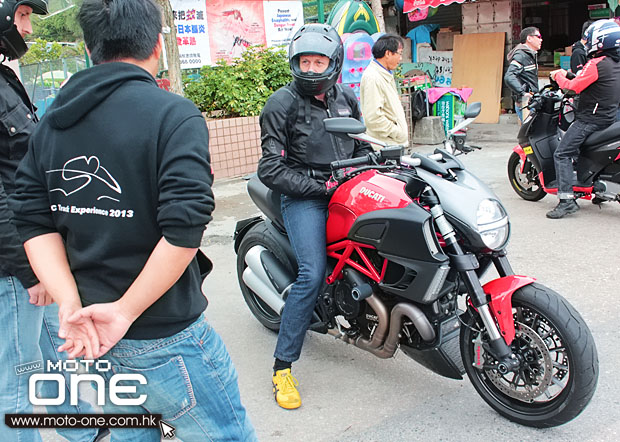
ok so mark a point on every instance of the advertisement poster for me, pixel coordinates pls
(282, 20)
(190, 19)
(210, 30)
(233, 26)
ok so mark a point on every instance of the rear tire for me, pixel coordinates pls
(526, 185)
(259, 234)
(559, 362)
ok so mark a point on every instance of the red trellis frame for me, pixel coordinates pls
(343, 250)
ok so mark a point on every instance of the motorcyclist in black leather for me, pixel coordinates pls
(522, 73)
(297, 152)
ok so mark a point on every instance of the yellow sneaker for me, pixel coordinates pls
(284, 390)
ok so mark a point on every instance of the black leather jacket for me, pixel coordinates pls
(297, 151)
(522, 73)
(17, 121)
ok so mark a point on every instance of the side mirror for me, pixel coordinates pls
(473, 110)
(344, 125)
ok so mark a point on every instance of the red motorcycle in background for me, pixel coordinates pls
(408, 241)
(531, 169)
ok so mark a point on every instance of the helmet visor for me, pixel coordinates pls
(314, 43)
(38, 6)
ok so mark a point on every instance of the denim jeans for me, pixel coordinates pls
(305, 220)
(519, 111)
(567, 152)
(20, 328)
(49, 343)
(191, 382)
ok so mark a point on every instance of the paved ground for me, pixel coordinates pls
(350, 395)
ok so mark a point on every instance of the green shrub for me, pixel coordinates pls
(42, 50)
(240, 89)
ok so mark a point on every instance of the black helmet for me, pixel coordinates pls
(316, 39)
(12, 44)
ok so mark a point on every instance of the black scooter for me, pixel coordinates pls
(531, 170)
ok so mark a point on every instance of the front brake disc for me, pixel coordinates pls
(534, 376)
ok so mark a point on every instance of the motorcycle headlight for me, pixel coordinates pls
(492, 224)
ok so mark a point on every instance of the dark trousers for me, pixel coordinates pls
(568, 151)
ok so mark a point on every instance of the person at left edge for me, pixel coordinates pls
(111, 201)
(26, 328)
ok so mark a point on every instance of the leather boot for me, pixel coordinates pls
(564, 207)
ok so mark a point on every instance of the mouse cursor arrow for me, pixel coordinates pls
(167, 430)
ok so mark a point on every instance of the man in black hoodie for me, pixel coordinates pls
(598, 86)
(578, 57)
(522, 73)
(112, 200)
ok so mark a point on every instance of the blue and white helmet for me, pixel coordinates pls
(601, 35)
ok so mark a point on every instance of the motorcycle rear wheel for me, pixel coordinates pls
(559, 362)
(526, 186)
(259, 234)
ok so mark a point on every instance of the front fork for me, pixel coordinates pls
(466, 265)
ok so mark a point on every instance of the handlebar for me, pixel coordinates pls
(354, 162)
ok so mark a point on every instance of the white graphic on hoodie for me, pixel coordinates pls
(80, 171)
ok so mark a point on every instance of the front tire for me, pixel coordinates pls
(259, 234)
(559, 362)
(526, 184)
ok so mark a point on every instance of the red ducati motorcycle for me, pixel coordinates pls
(408, 241)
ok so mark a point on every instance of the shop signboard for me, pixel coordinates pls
(600, 13)
(211, 30)
(442, 60)
(411, 5)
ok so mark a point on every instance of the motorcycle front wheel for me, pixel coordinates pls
(525, 183)
(558, 360)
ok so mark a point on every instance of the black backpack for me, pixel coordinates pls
(418, 105)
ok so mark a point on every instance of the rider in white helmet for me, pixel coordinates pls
(598, 86)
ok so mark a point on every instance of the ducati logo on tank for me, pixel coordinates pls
(372, 194)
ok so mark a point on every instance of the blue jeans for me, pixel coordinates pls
(519, 111)
(567, 152)
(191, 382)
(20, 328)
(49, 343)
(305, 220)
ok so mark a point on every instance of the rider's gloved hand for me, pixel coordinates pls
(330, 187)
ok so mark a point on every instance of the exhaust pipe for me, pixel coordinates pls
(264, 292)
(381, 346)
(420, 321)
(267, 277)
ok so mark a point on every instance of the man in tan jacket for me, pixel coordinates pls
(381, 107)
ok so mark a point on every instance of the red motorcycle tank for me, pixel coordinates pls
(366, 192)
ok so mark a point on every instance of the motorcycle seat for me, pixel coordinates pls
(266, 200)
(611, 133)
